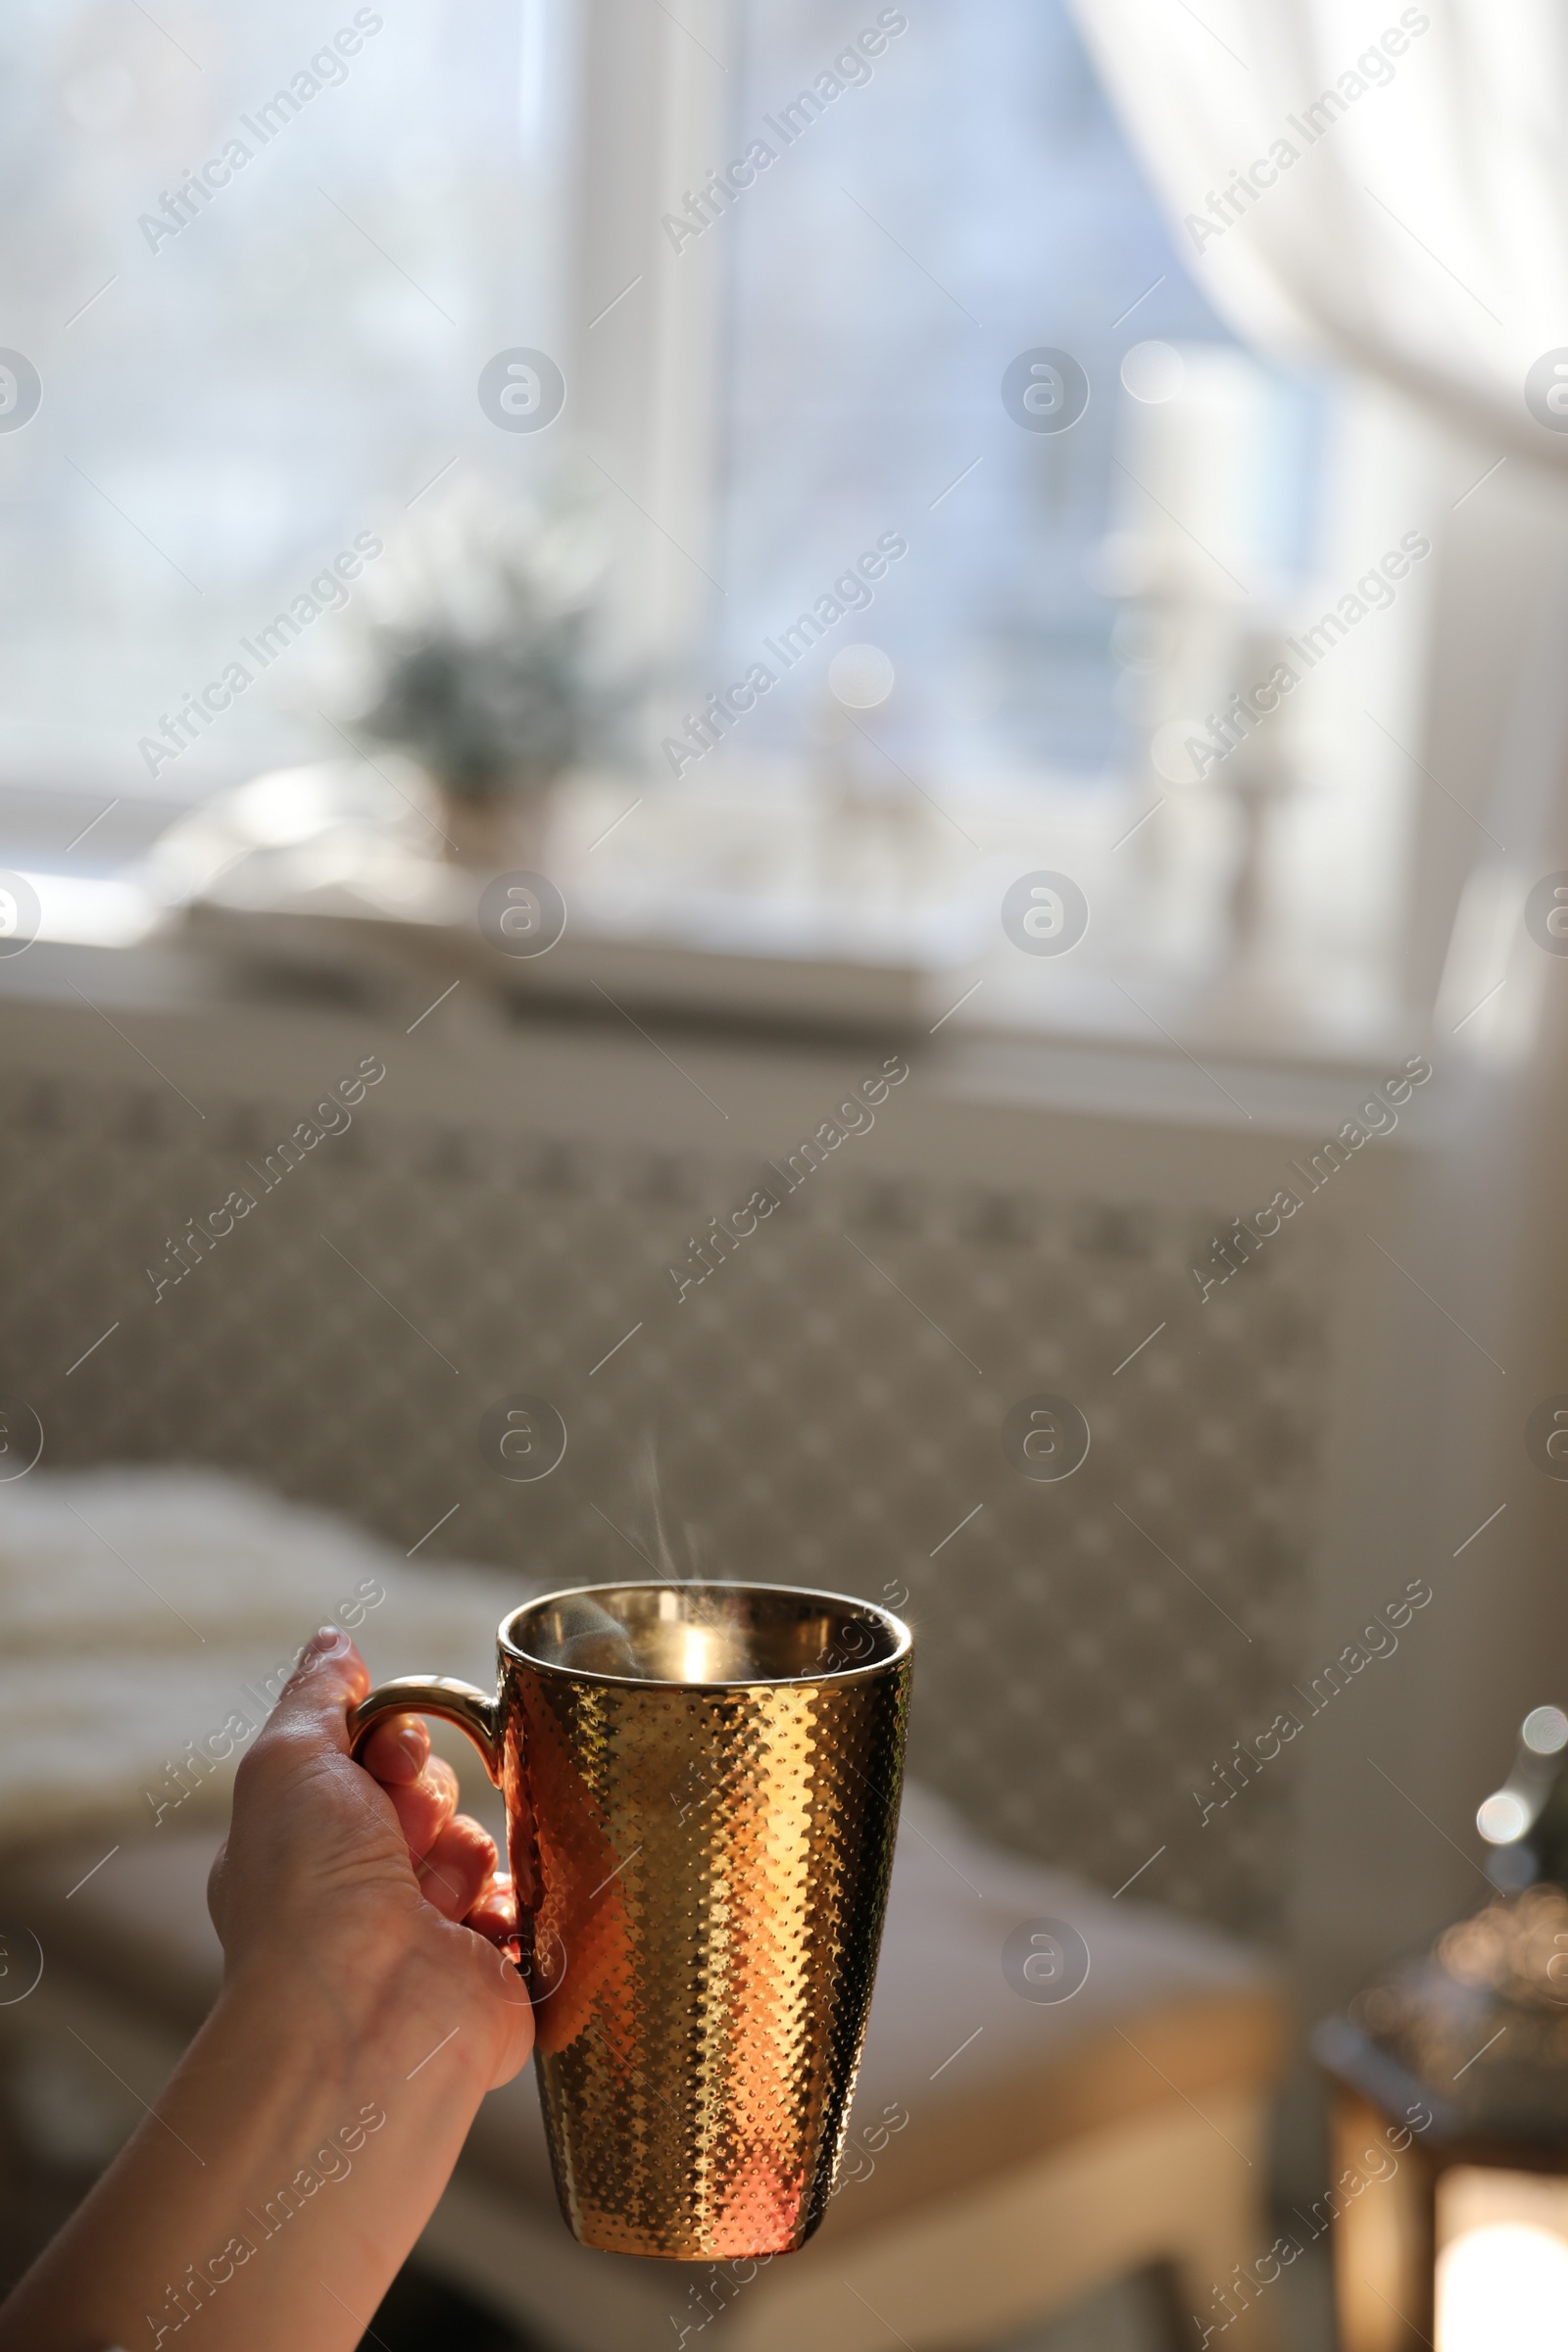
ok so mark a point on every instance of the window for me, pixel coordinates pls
(259, 263)
(257, 259)
(923, 215)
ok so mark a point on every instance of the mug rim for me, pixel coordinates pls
(902, 1650)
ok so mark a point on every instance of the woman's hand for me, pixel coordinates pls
(365, 1876)
(305, 2139)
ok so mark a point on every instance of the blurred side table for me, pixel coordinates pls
(1449, 2197)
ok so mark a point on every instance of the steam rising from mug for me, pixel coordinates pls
(595, 1643)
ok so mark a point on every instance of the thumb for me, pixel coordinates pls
(330, 1678)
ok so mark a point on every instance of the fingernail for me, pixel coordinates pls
(414, 1742)
(328, 1641)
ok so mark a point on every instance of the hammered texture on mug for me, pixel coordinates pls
(707, 1882)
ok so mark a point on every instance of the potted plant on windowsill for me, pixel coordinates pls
(482, 648)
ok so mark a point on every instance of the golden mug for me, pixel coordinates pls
(702, 1787)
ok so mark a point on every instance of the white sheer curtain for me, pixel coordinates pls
(1392, 185)
(1390, 189)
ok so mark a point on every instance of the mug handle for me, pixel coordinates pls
(474, 1711)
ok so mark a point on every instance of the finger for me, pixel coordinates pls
(456, 1866)
(214, 1879)
(494, 1910)
(425, 1806)
(313, 1703)
(397, 1750)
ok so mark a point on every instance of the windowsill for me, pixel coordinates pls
(721, 952)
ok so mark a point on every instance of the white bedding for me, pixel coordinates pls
(145, 1609)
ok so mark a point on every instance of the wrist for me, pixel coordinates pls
(304, 2095)
(366, 2024)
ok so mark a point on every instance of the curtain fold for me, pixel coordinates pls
(1388, 188)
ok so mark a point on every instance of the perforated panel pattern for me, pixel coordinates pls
(827, 1411)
